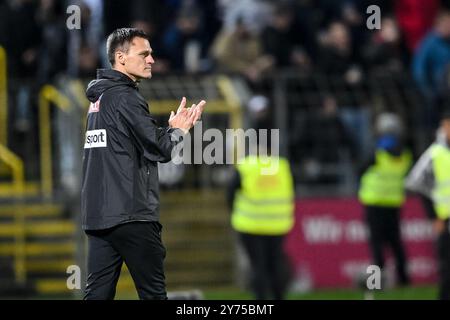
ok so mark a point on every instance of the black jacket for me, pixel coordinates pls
(123, 146)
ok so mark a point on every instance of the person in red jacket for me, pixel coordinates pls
(415, 18)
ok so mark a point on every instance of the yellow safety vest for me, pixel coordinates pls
(383, 183)
(265, 203)
(441, 191)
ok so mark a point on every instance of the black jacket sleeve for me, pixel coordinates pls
(155, 143)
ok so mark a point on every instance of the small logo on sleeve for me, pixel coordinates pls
(95, 139)
(95, 106)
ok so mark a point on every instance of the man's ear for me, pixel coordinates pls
(120, 57)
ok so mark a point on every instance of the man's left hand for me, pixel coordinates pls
(186, 118)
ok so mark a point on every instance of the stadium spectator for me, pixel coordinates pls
(307, 19)
(354, 18)
(53, 51)
(415, 19)
(150, 16)
(279, 39)
(386, 50)
(84, 43)
(336, 54)
(153, 12)
(184, 42)
(430, 178)
(324, 141)
(255, 14)
(20, 35)
(430, 66)
(330, 10)
(240, 51)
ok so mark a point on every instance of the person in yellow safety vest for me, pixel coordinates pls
(382, 193)
(430, 178)
(262, 203)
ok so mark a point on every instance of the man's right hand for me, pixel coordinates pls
(186, 118)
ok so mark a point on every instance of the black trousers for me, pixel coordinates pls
(268, 265)
(384, 229)
(443, 246)
(139, 245)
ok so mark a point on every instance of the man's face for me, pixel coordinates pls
(138, 61)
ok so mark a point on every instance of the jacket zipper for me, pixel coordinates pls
(148, 181)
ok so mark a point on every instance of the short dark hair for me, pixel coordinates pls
(120, 39)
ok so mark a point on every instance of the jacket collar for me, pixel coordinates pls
(115, 75)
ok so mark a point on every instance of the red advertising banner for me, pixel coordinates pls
(328, 245)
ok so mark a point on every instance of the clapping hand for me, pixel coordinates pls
(186, 118)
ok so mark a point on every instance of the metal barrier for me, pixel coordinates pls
(17, 192)
(48, 95)
(16, 165)
(297, 96)
(18, 186)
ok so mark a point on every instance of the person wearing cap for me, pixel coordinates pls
(430, 178)
(382, 194)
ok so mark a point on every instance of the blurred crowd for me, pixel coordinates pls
(244, 36)
(251, 38)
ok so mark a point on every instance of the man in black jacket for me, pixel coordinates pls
(120, 193)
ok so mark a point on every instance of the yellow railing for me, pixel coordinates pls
(232, 100)
(229, 105)
(48, 95)
(3, 98)
(18, 186)
(17, 169)
(20, 268)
